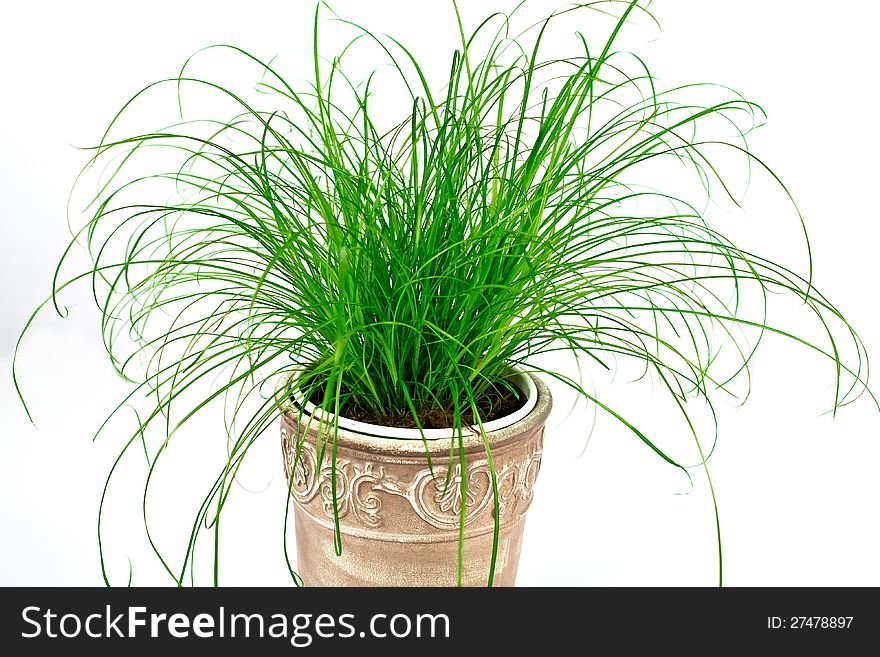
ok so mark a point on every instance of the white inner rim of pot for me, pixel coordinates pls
(519, 378)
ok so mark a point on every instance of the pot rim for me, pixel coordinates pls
(398, 445)
(520, 379)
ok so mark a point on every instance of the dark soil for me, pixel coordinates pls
(496, 402)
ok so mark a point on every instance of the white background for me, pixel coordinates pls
(798, 491)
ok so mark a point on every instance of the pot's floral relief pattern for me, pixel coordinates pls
(435, 496)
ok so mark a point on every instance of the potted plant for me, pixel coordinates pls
(386, 287)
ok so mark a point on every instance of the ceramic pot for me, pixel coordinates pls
(399, 524)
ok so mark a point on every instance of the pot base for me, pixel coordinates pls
(386, 562)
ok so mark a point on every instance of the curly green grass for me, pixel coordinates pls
(505, 215)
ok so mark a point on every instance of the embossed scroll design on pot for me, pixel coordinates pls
(435, 497)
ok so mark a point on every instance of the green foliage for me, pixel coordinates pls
(504, 216)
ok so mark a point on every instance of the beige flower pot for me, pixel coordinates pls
(399, 526)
